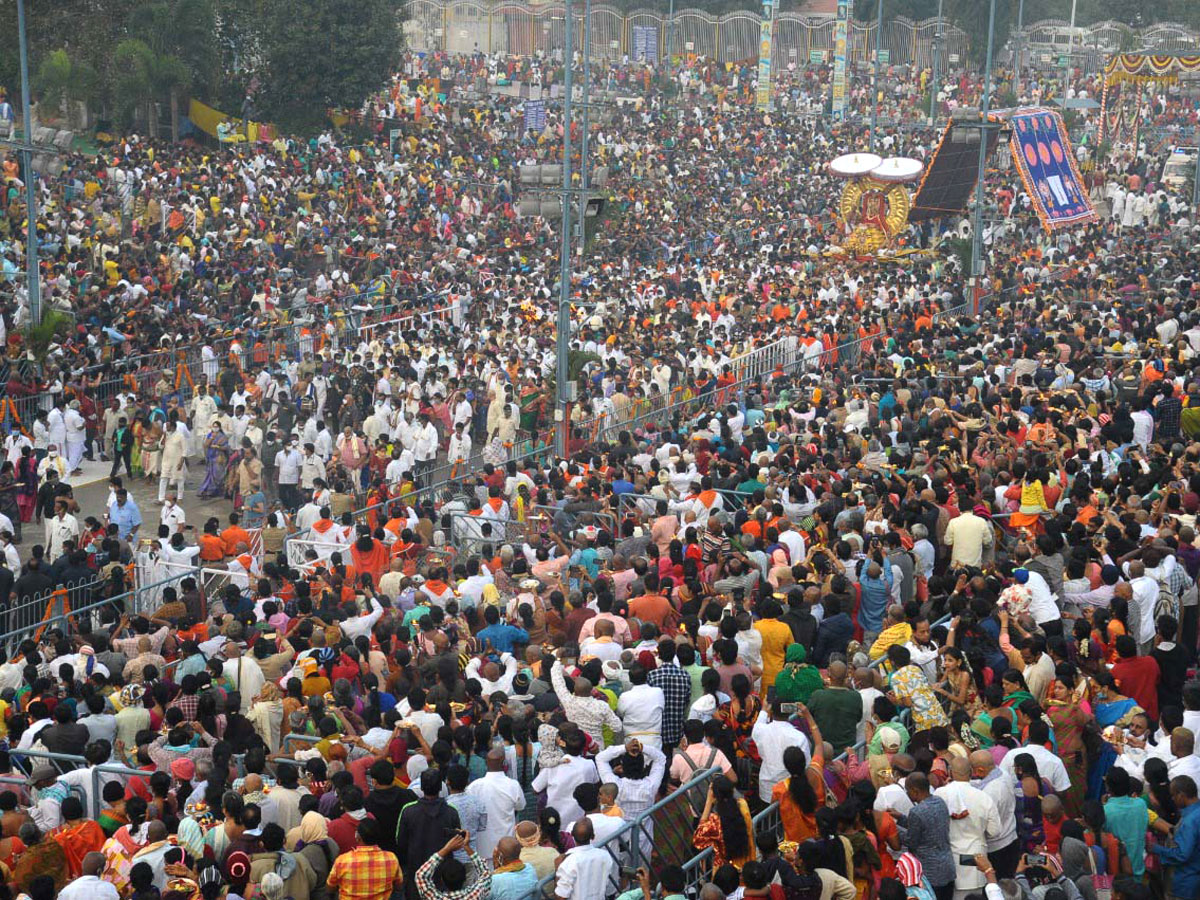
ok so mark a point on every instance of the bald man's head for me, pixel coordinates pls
(837, 672)
(582, 832)
(496, 760)
(960, 769)
(982, 763)
(156, 831)
(583, 687)
(526, 830)
(509, 849)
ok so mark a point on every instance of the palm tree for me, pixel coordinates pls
(182, 36)
(134, 86)
(61, 79)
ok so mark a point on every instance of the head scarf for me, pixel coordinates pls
(191, 837)
(533, 840)
(312, 828)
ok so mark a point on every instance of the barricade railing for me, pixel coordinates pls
(139, 599)
(34, 614)
(625, 845)
(103, 774)
(62, 762)
(769, 819)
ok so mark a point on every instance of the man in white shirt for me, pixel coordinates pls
(967, 535)
(501, 797)
(1049, 765)
(641, 709)
(460, 445)
(973, 820)
(360, 626)
(89, 885)
(425, 447)
(586, 872)
(60, 528)
(1003, 847)
(287, 463)
(1183, 760)
(76, 436)
(244, 673)
(559, 782)
(172, 514)
(773, 734)
(1145, 598)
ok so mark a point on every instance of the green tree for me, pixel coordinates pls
(133, 89)
(60, 79)
(326, 53)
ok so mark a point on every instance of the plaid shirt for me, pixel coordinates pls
(365, 873)
(676, 686)
(477, 886)
(188, 703)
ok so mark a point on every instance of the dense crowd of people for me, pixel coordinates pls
(855, 584)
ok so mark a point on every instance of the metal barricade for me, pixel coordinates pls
(103, 774)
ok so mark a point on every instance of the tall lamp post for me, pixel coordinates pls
(875, 71)
(938, 38)
(977, 215)
(1020, 41)
(1066, 76)
(33, 284)
(563, 341)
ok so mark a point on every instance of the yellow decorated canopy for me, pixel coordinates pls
(1143, 67)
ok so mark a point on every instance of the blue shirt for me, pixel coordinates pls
(1184, 855)
(875, 596)
(251, 517)
(514, 885)
(502, 637)
(126, 518)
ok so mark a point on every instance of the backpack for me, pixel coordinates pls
(697, 795)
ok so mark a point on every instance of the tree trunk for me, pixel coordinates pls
(152, 120)
(174, 116)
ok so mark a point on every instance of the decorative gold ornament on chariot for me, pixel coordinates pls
(874, 204)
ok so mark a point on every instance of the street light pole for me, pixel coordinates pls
(875, 72)
(1067, 59)
(977, 215)
(670, 37)
(33, 284)
(1020, 47)
(938, 38)
(587, 100)
(563, 342)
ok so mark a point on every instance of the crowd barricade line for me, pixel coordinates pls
(623, 845)
(116, 772)
(769, 818)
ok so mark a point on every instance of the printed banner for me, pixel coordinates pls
(763, 97)
(535, 116)
(839, 59)
(1043, 156)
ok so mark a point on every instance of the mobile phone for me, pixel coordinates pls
(629, 872)
(1035, 859)
(966, 859)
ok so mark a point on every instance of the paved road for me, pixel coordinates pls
(91, 490)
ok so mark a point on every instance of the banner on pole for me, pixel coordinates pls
(841, 23)
(535, 116)
(763, 96)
